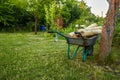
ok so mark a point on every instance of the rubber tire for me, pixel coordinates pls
(87, 52)
(90, 50)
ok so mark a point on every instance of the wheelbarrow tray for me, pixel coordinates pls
(82, 42)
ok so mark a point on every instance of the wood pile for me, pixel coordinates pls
(89, 31)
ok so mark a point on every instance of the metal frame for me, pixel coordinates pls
(86, 43)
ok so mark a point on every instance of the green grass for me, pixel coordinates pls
(25, 56)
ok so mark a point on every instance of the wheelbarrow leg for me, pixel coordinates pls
(74, 53)
(84, 54)
(90, 50)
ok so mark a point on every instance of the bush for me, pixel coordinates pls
(116, 38)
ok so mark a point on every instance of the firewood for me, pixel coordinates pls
(91, 30)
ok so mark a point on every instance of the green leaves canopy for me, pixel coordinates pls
(17, 14)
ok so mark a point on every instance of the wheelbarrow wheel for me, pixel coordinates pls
(87, 51)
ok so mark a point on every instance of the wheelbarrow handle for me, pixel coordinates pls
(51, 31)
(54, 31)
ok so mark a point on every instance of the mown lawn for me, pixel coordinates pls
(25, 56)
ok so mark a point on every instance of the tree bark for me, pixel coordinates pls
(36, 21)
(108, 29)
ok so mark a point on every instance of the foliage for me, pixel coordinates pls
(23, 4)
(70, 12)
(116, 39)
(69, 29)
(50, 15)
(4, 18)
(12, 17)
(17, 15)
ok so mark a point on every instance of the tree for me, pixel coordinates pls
(51, 13)
(34, 8)
(108, 29)
(14, 15)
(7, 19)
(37, 8)
(70, 11)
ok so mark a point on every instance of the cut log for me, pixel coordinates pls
(87, 32)
(92, 25)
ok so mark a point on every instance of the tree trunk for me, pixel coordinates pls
(36, 21)
(108, 29)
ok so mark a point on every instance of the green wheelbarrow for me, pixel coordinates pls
(86, 43)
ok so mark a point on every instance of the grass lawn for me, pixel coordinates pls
(25, 56)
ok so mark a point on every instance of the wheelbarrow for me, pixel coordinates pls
(86, 43)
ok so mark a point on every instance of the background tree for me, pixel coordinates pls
(50, 15)
(28, 15)
(14, 17)
(70, 11)
(37, 8)
(33, 7)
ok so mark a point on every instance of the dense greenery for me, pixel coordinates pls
(116, 39)
(23, 15)
(13, 17)
(25, 56)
